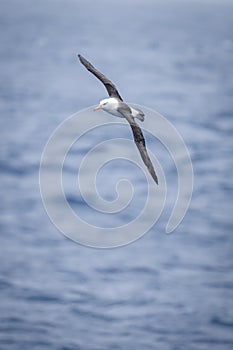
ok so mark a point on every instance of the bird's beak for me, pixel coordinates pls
(97, 107)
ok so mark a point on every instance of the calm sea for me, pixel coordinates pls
(168, 292)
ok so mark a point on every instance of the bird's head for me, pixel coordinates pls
(107, 104)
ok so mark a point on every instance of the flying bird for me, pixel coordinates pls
(116, 106)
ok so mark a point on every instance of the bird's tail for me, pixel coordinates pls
(137, 113)
(140, 116)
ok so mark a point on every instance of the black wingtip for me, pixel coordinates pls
(85, 62)
(155, 178)
(80, 57)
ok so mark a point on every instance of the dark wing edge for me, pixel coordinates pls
(139, 140)
(110, 87)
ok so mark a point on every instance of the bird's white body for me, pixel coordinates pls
(111, 105)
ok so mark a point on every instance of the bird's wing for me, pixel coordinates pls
(111, 89)
(138, 139)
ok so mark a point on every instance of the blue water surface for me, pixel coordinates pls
(168, 292)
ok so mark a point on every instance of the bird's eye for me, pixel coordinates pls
(105, 103)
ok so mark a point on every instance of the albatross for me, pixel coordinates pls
(117, 107)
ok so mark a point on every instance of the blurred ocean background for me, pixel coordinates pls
(163, 291)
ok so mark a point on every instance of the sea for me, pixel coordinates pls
(162, 291)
